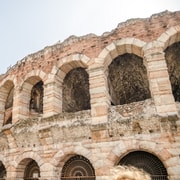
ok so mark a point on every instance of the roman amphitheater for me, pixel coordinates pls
(76, 109)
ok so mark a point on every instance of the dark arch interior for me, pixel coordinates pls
(32, 171)
(2, 171)
(8, 107)
(9, 101)
(75, 93)
(78, 167)
(172, 56)
(36, 101)
(146, 161)
(127, 79)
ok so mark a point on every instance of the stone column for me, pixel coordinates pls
(16, 106)
(2, 105)
(52, 97)
(48, 173)
(11, 140)
(13, 149)
(159, 82)
(11, 174)
(21, 102)
(100, 99)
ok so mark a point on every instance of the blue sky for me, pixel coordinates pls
(28, 26)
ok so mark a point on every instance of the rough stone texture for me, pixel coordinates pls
(8, 107)
(97, 98)
(76, 91)
(173, 63)
(128, 80)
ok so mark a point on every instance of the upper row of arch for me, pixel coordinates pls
(116, 48)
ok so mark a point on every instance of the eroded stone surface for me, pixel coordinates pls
(76, 95)
(128, 80)
(172, 54)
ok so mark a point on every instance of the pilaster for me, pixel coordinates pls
(100, 99)
(159, 82)
(52, 97)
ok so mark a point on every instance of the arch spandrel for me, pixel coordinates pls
(119, 47)
(28, 155)
(170, 36)
(11, 78)
(66, 64)
(60, 157)
(33, 77)
(73, 61)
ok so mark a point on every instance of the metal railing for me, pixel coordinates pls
(79, 178)
(154, 177)
(159, 177)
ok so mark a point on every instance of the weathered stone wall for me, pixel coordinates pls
(99, 97)
(146, 30)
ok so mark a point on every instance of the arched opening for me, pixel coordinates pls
(8, 107)
(172, 55)
(36, 101)
(78, 168)
(127, 79)
(31, 97)
(146, 161)
(2, 171)
(28, 169)
(6, 98)
(75, 91)
(32, 171)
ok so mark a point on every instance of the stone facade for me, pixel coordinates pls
(83, 106)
